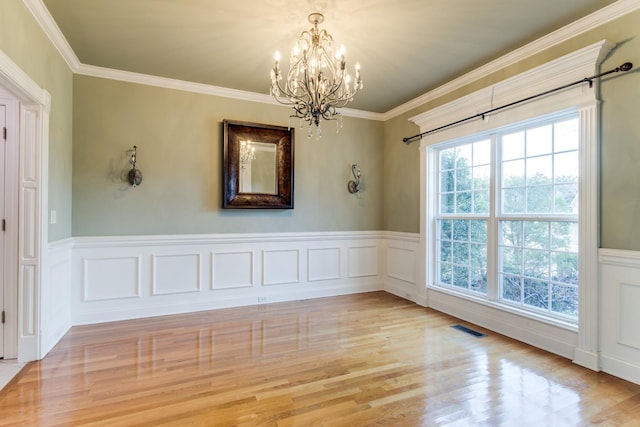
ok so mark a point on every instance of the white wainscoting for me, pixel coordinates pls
(101, 279)
(55, 307)
(402, 278)
(116, 278)
(401, 267)
(520, 326)
(620, 313)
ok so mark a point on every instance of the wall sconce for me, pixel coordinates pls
(134, 176)
(353, 185)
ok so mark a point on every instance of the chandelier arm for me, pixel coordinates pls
(317, 82)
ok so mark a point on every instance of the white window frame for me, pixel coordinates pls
(578, 342)
(494, 215)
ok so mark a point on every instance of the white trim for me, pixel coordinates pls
(401, 236)
(12, 215)
(20, 84)
(561, 339)
(223, 238)
(553, 338)
(571, 67)
(620, 368)
(589, 205)
(284, 272)
(56, 295)
(200, 88)
(580, 98)
(51, 29)
(607, 14)
(619, 300)
(35, 102)
(619, 257)
(600, 17)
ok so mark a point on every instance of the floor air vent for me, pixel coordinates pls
(469, 331)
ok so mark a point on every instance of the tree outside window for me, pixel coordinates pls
(535, 205)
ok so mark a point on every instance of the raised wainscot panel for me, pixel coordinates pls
(620, 315)
(110, 278)
(324, 264)
(59, 280)
(30, 205)
(29, 163)
(231, 270)
(27, 300)
(630, 314)
(401, 264)
(280, 267)
(363, 261)
(175, 274)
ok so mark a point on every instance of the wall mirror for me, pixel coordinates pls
(258, 166)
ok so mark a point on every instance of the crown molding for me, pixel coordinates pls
(52, 31)
(205, 89)
(600, 17)
(164, 82)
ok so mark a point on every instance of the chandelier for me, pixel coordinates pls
(317, 83)
(247, 153)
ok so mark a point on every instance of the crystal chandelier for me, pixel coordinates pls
(247, 153)
(317, 82)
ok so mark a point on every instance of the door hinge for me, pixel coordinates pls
(3, 316)
(4, 225)
(4, 133)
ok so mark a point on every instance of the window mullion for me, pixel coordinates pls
(492, 224)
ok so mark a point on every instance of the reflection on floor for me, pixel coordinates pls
(8, 370)
(354, 360)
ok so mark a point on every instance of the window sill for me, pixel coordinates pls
(559, 323)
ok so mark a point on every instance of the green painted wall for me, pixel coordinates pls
(22, 40)
(620, 141)
(179, 139)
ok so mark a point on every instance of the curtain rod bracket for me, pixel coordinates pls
(624, 67)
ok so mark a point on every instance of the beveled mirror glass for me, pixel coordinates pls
(258, 166)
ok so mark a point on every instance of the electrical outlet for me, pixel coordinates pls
(262, 300)
(54, 217)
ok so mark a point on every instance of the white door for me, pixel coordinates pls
(3, 123)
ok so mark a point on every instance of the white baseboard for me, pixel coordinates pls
(542, 335)
(621, 368)
(404, 290)
(587, 359)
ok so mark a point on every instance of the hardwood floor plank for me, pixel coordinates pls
(358, 360)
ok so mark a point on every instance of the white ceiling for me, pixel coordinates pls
(405, 47)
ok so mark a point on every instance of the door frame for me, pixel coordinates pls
(32, 189)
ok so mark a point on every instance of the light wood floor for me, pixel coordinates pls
(361, 360)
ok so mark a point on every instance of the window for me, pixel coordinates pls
(506, 216)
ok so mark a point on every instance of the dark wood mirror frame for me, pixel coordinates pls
(283, 138)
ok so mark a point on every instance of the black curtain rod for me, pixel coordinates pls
(624, 67)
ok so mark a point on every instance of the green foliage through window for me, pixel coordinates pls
(536, 216)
